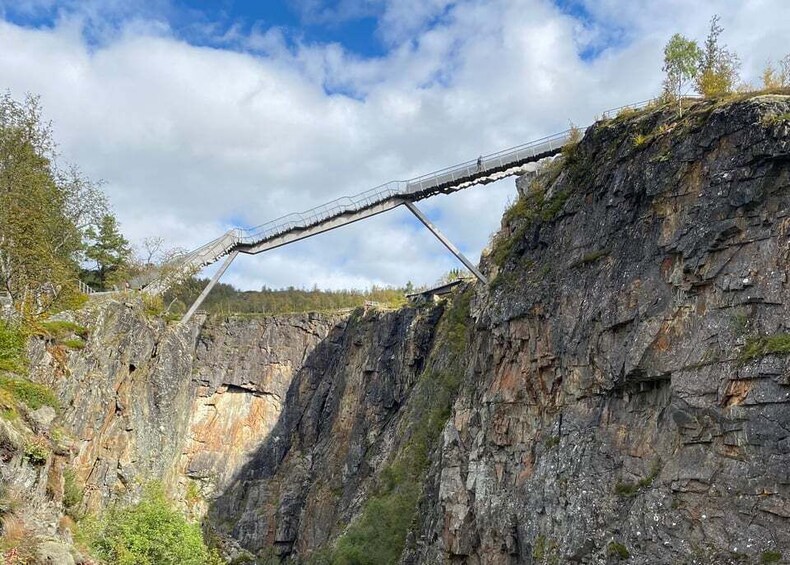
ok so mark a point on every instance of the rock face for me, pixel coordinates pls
(147, 402)
(339, 425)
(633, 395)
(620, 392)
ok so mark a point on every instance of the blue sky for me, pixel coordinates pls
(201, 114)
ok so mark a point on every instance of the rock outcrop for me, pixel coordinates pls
(633, 397)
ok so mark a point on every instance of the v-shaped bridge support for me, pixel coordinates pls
(446, 242)
(412, 208)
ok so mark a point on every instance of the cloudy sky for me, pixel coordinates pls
(204, 115)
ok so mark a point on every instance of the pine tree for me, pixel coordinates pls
(109, 250)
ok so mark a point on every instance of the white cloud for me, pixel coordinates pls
(191, 139)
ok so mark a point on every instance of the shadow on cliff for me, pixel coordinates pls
(347, 390)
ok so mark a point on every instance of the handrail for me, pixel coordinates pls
(446, 179)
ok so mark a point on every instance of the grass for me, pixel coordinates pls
(12, 348)
(771, 556)
(31, 394)
(63, 329)
(777, 344)
(75, 343)
(73, 491)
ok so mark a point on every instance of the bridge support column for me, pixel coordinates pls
(214, 280)
(447, 243)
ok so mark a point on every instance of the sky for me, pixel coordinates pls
(200, 116)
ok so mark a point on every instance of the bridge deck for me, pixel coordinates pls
(348, 209)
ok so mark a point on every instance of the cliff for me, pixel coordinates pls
(619, 392)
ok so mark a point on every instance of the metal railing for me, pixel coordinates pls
(84, 288)
(447, 179)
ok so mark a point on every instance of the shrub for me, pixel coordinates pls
(153, 305)
(150, 532)
(74, 343)
(37, 451)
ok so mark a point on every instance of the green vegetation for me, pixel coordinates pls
(109, 249)
(778, 344)
(46, 213)
(713, 70)
(681, 61)
(32, 394)
(617, 550)
(37, 451)
(640, 140)
(61, 329)
(225, 299)
(378, 536)
(12, 348)
(771, 556)
(73, 492)
(631, 489)
(150, 532)
(552, 441)
(532, 207)
(718, 67)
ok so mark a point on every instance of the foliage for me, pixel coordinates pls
(778, 344)
(640, 140)
(378, 536)
(37, 451)
(618, 550)
(718, 68)
(681, 64)
(61, 329)
(529, 208)
(225, 299)
(42, 211)
(73, 491)
(109, 249)
(153, 304)
(32, 394)
(771, 556)
(12, 347)
(150, 532)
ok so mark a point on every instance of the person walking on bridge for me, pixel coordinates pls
(480, 163)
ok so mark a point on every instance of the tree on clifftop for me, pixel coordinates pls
(110, 250)
(681, 64)
(718, 67)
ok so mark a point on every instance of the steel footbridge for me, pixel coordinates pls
(346, 210)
